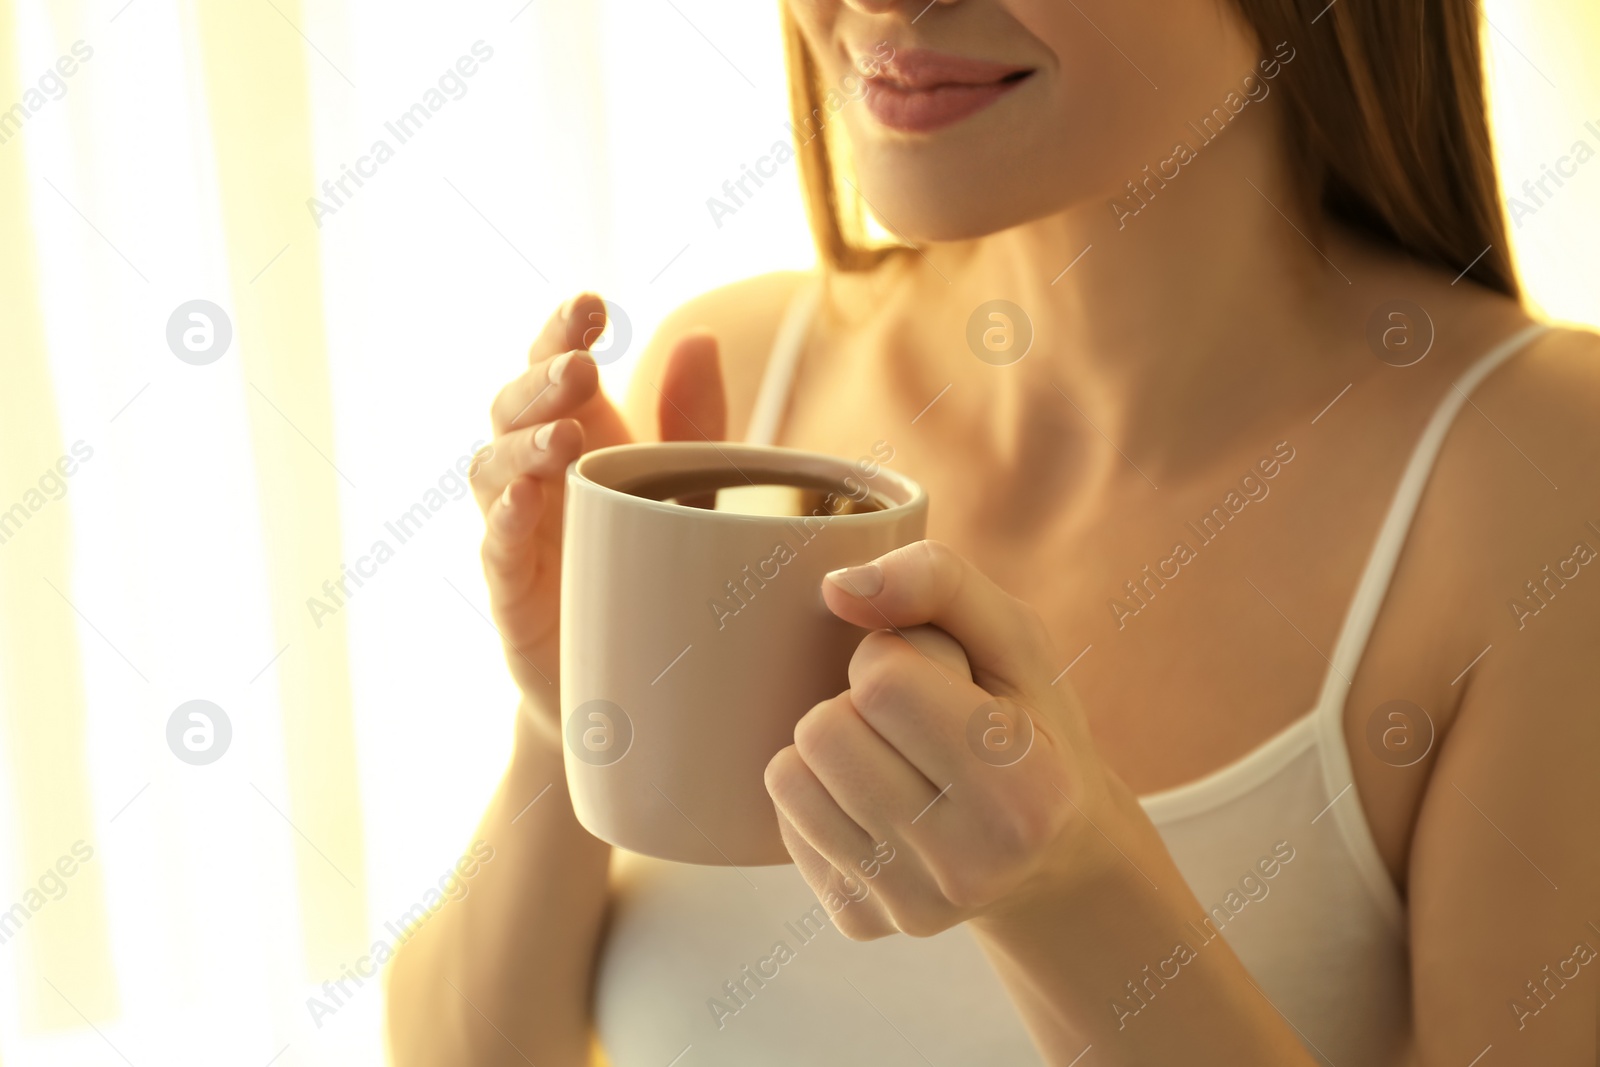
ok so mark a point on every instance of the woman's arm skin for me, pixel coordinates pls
(1067, 963)
(1504, 867)
(503, 976)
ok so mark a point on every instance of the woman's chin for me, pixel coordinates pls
(922, 205)
(918, 221)
(947, 226)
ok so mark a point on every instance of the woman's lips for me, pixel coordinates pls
(920, 91)
(925, 110)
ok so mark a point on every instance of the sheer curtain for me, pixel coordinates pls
(263, 264)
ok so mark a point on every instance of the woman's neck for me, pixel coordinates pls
(1176, 331)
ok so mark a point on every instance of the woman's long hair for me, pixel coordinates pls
(1390, 133)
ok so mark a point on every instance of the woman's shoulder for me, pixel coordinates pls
(1529, 434)
(744, 317)
(1502, 570)
(1523, 460)
(1516, 491)
(1543, 399)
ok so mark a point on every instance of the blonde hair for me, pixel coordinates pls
(838, 222)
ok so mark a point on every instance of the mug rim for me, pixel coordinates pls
(577, 474)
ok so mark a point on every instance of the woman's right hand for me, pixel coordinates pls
(542, 420)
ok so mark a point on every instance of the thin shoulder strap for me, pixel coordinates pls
(1338, 778)
(772, 397)
(1374, 584)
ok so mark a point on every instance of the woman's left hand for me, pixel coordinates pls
(917, 799)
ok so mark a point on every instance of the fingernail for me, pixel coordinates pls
(863, 581)
(505, 496)
(541, 436)
(558, 367)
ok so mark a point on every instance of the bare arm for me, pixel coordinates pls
(503, 975)
(1505, 862)
(1064, 962)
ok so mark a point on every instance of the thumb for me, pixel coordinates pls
(929, 582)
(693, 405)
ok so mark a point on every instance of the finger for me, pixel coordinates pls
(929, 582)
(692, 402)
(857, 914)
(513, 516)
(990, 759)
(798, 793)
(811, 828)
(914, 707)
(551, 389)
(536, 451)
(879, 791)
(940, 649)
(867, 778)
(573, 325)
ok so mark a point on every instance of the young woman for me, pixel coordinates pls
(1260, 494)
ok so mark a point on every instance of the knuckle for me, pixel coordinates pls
(877, 674)
(490, 555)
(965, 885)
(934, 551)
(818, 729)
(1021, 831)
(919, 921)
(877, 686)
(938, 567)
(782, 771)
(938, 557)
(858, 925)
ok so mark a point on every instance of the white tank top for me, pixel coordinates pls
(707, 966)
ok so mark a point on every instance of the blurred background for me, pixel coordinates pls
(242, 346)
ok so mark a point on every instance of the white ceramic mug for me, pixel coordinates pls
(693, 640)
